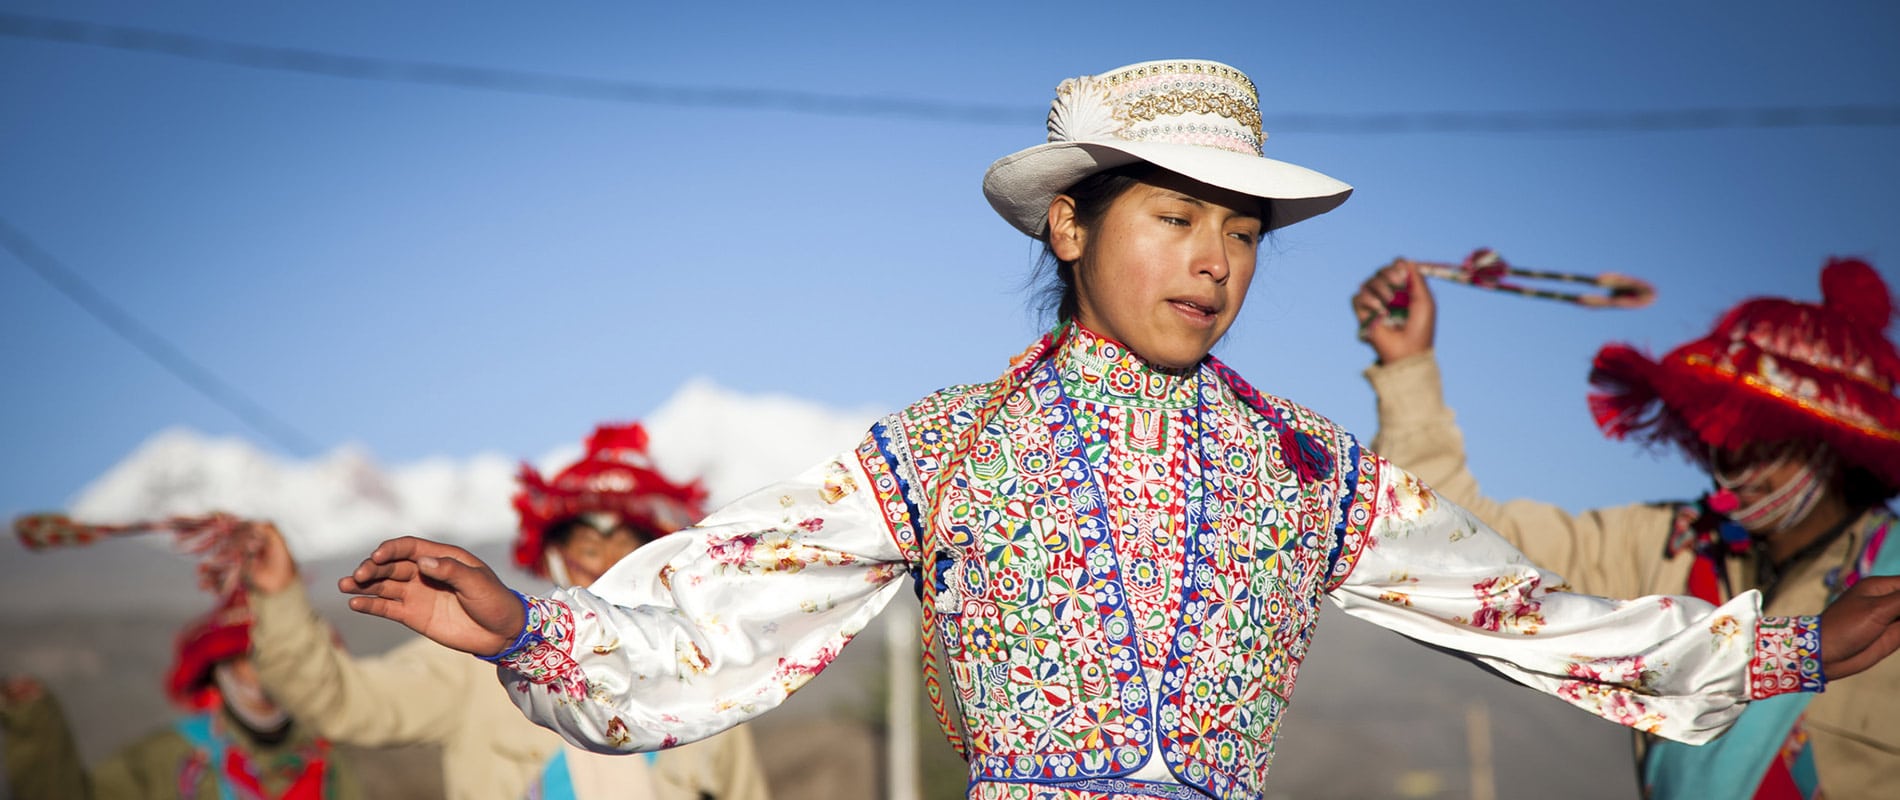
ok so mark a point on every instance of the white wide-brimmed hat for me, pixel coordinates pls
(1197, 118)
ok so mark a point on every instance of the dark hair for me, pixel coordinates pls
(1054, 279)
(1862, 489)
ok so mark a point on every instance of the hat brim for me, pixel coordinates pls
(1020, 185)
(1686, 398)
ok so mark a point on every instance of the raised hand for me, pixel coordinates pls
(1399, 284)
(1861, 627)
(268, 567)
(439, 591)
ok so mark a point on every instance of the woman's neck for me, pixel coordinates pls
(1097, 368)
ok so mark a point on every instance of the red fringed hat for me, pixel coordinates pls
(221, 635)
(615, 476)
(1772, 369)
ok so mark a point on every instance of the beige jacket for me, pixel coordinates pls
(423, 693)
(1619, 552)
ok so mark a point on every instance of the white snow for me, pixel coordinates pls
(344, 502)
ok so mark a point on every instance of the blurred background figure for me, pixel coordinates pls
(1789, 407)
(237, 743)
(573, 528)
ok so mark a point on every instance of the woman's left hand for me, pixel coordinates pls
(440, 591)
(1861, 627)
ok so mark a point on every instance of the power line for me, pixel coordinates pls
(153, 345)
(286, 59)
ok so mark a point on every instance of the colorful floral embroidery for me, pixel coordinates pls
(1114, 524)
(775, 551)
(1787, 657)
(549, 660)
(1616, 705)
(1508, 603)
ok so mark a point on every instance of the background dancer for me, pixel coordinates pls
(1789, 405)
(590, 515)
(238, 742)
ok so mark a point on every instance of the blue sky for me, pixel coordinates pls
(429, 270)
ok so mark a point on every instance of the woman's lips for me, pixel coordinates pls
(1196, 312)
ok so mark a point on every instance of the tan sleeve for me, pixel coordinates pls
(738, 775)
(1611, 552)
(42, 762)
(410, 695)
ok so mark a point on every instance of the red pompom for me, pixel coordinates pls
(1855, 291)
(632, 436)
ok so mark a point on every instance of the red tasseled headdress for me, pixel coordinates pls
(615, 476)
(1771, 370)
(221, 635)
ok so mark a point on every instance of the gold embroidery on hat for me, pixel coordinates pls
(1843, 413)
(1195, 101)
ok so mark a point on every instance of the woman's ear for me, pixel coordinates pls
(1066, 236)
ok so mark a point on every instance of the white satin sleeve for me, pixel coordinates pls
(715, 624)
(1676, 667)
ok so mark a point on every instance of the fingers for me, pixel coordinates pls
(1878, 586)
(411, 548)
(376, 607)
(1375, 297)
(450, 571)
(379, 579)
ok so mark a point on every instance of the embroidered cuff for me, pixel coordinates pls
(545, 656)
(527, 636)
(1787, 657)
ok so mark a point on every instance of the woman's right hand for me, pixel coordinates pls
(1394, 337)
(439, 591)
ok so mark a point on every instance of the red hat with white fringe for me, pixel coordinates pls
(616, 476)
(1771, 370)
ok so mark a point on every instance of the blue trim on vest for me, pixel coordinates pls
(199, 732)
(881, 439)
(1346, 495)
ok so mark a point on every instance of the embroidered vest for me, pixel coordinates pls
(1086, 524)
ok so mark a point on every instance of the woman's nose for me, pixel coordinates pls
(1210, 256)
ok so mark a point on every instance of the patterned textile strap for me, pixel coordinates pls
(1011, 382)
(219, 540)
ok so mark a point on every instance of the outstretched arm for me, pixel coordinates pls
(691, 634)
(1673, 666)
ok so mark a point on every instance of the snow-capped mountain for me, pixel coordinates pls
(345, 501)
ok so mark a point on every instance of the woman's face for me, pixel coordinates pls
(1165, 269)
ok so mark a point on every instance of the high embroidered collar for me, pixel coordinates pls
(1096, 368)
